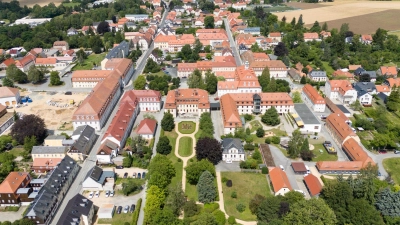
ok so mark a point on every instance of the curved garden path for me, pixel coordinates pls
(218, 174)
(185, 159)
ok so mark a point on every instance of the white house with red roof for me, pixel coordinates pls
(341, 90)
(311, 96)
(9, 96)
(25, 63)
(147, 128)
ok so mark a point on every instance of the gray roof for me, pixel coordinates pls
(23, 190)
(84, 139)
(273, 57)
(55, 137)
(38, 181)
(98, 175)
(372, 74)
(49, 149)
(305, 114)
(120, 51)
(252, 29)
(364, 86)
(76, 207)
(48, 194)
(317, 73)
(343, 109)
(228, 143)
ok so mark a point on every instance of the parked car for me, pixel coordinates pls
(125, 175)
(382, 151)
(112, 193)
(119, 167)
(144, 175)
(163, 68)
(132, 208)
(126, 209)
(229, 161)
(119, 209)
(396, 152)
(97, 194)
(107, 194)
(68, 93)
(91, 194)
(216, 98)
(282, 167)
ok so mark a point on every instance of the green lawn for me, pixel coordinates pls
(198, 134)
(186, 127)
(278, 132)
(257, 139)
(255, 124)
(324, 156)
(16, 151)
(178, 164)
(329, 70)
(185, 146)
(392, 166)
(191, 190)
(246, 185)
(117, 219)
(71, 4)
(88, 63)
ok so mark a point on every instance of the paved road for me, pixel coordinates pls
(76, 187)
(233, 44)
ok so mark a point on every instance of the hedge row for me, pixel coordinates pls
(135, 215)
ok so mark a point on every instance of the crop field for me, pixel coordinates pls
(31, 3)
(364, 17)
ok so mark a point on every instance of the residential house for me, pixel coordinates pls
(391, 82)
(234, 105)
(341, 90)
(383, 89)
(239, 5)
(72, 31)
(45, 165)
(276, 68)
(388, 71)
(338, 126)
(354, 67)
(325, 34)
(54, 140)
(156, 58)
(51, 63)
(6, 63)
(343, 73)
(311, 37)
(16, 52)
(366, 39)
(279, 181)
(232, 150)
(277, 36)
(361, 71)
(147, 100)
(98, 179)
(52, 193)
(186, 69)
(187, 102)
(252, 30)
(61, 45)
(79, 210)
(317, 75)
(294, 75)
(313, 185)
(245, 81)
(147, 128)
(48, 152)
(9, 96)
(84, 137)
(12, 185)
(137, 17)
(305, 120)
(107, 151)
(6, 118)
(119, 51)
(25, 63)
(311, 96)
(365, 90)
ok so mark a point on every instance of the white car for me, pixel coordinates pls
(97, 194)
(229, 161)
(107, 194)
(112, 193)
(126, 209)
(91, 194)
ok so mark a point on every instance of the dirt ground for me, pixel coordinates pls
(302, 5)
(351, 12)
(56, 118)
(31, 3)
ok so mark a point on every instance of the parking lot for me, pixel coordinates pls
(227, 167)
(130, 171)
(117, 199)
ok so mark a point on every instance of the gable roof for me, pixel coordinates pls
(356, 153)
(338, 125)
(8, 62)
(107, 147)
(76, 208)
(364, 86)
(147, 126)
(6, 92)
(279, 179)
(388, 70)
(229, 143)
(49, 149)
(313, 94)
(313, 184)
(13, 181)
(299, 167)
(99, 175)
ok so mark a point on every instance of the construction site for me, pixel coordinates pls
(56, 109)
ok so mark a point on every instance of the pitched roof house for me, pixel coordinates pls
(279, 180)
(313, 185)
(146, 128)
(232, 150)
(98, 179)
(79, 210)
(9, 188)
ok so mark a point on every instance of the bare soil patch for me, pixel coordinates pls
(30, 3)
(302, 5)
(368, 24)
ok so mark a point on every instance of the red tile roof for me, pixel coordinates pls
(356, 153)
(313, 184)
(389, 70)
(45, 162)
(6, 92)
(311, 36)
(336, 122)
(146, 127)
(187, 96)
(8, 62)
(313, 95)
(14, 181)
(279, 179)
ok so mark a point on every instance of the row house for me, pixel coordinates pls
(250, 57)
(172, 43)
(137, 17)
(311, 96)
(277, 36)
(317, 75)
(186, 69)
(245, 81)
(276, 68)
(341, 90)
(234, 105)
(187, 102)
(51, 63)
(388, 71)
(212, 38)
(25, 63)
(6, 63)
(83, 138)
(338, 125)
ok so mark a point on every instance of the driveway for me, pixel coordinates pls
(218, 127)
(117, 199)
(281, 159)
(130, 171)
(228, 167)
(12, 216)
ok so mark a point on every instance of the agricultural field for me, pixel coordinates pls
(364, 17)
(30, 3)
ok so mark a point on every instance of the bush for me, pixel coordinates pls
(268, 140)
(231, 220)
(264, 170)
(190, 208)
(249, 147)
(135, 215)
(276, 140)
(249, 139)
(240, 207)
(224, 179)
(234, 194)
(127, 223)
(260, 132)
(179, 160)
(191, 160)
(219, 217)
(211, 207)
(229, 183)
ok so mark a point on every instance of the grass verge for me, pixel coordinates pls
(241, 183)
(90, 61)
(322, 155)
(185, 146)
(392, 166)
(176, 162)
(118, 219)
(255, 124)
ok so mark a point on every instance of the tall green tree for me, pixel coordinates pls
(29, 142)
(313, 211)
(206, 219)
(140, 83)
(176, 199)
(316, 27)
(211, 82)
(161, 171)
(272, 87)
(163, 145)
(268, 209)
(206, 188)
(7, 82)
(195, 169)
(271, 117)
(195, 80)
(55, 78)
(35, 75)
(264, 79)
(168, 123)
(294, 144)
(15, 74)
(154, 200)
(209, 22)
